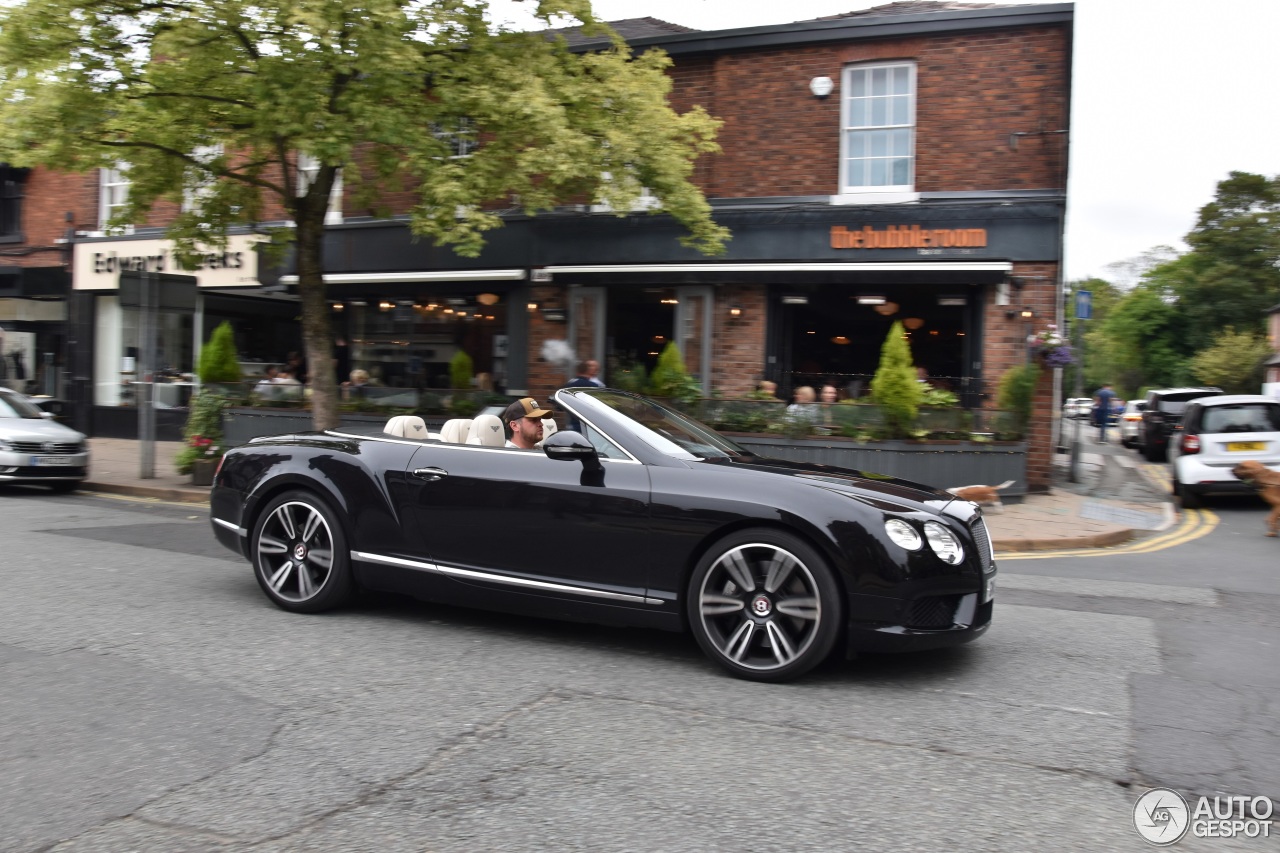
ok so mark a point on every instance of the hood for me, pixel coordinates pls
(32, 429)
(880, 489)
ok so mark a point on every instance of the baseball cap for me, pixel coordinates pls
(525, 407)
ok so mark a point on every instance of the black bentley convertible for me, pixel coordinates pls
(640, 516)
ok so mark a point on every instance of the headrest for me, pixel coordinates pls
(406, 426)
(549, 429)
(487, 430)
(455, 431)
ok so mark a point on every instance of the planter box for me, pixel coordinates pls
(942, 464)
(241, 424)
(202, 471)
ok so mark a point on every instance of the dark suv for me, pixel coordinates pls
(1162, 415)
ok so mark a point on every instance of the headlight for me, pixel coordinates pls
(943, 543)
(903, 534)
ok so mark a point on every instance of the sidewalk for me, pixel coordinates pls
(1070, 516)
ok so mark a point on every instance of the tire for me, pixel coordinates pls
(299, 553)
(1154, 454)
(1191, 499)
(783, 625)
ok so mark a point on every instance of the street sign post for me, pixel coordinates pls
(1084, 304)
(1084, 311)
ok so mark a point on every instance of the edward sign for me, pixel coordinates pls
(98, 265)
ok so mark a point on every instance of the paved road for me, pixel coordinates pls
(154, 700)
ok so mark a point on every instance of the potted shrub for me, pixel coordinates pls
(895, 388)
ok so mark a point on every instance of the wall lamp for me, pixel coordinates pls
(735, 312)
(1025, 314)
(821, 86)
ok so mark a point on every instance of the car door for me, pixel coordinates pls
(518, 521)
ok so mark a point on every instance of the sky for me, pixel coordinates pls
(1168, 97)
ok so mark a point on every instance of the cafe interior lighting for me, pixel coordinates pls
(487, 298)
(871, 300)
(888, 309)
(735, 311)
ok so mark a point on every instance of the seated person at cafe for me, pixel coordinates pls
(524, 416)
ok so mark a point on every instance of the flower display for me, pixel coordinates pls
(203, 445)
(1052, 348)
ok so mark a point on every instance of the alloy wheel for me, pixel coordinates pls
(295, 551)
(760, 607)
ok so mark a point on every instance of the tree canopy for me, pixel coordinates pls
(211, 102)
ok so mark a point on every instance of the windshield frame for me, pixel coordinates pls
(638, 438)
(13, 406)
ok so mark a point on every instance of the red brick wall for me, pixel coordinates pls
(47, 199)
(738, 344)
(974, 90)
(1005, 346)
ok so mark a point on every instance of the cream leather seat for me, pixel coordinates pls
(549, 429)
(407, 426)
(455, 431)
(486, 430)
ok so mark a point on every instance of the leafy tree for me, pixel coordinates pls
(1143, 340)
(218, 359)
(1235, 363)
(670, 379)
(1235, 274)
(895, 387)
(212, 101)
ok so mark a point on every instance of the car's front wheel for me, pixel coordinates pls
(764, 605)
(300, 555)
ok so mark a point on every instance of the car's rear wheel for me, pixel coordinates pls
(1154, 454)
(764, 605)
(1191, 499)
(299, 553)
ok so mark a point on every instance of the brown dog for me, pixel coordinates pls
(988, 496)
(1267, 482)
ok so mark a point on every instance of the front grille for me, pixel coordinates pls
(933, 611)
(980, 538)
(60, 448)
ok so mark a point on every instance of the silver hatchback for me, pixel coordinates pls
(35, 449)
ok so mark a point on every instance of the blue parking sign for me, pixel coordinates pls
(1084, 304)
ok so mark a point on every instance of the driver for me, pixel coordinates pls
(524, 416)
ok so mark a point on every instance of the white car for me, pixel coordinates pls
(1215, 435)
(1130, 421)
(1077, 407)
(36, 449)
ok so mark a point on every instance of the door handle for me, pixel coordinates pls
(431, 475)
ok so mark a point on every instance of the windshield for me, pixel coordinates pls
(665, 430)
(13, 406)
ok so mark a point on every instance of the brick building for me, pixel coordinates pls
(907, 162)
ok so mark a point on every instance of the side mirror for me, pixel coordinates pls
(567, 445)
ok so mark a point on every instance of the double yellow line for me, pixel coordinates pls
(1195, 524)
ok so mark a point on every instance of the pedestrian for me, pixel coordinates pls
(1102, 405)
(586, 375)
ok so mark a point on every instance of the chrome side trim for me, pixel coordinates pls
(421, 442)
(489, 577)
(394, 561)
(231, 525)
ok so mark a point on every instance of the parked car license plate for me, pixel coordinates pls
(52, 461)
(1240, 446)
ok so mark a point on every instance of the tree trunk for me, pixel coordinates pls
(317, 335)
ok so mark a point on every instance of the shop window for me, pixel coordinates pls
(11, 184)
(113, 193)
(877, 150)
(308, 168)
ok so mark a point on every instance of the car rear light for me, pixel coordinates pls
(1191, 444)
(1133, 417)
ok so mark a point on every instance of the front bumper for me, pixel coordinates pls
(42, 468)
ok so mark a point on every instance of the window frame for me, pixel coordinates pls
(105, 208)
(12, 192)
(307, 165)
(847, 190)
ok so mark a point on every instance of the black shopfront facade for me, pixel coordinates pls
(809, 288)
